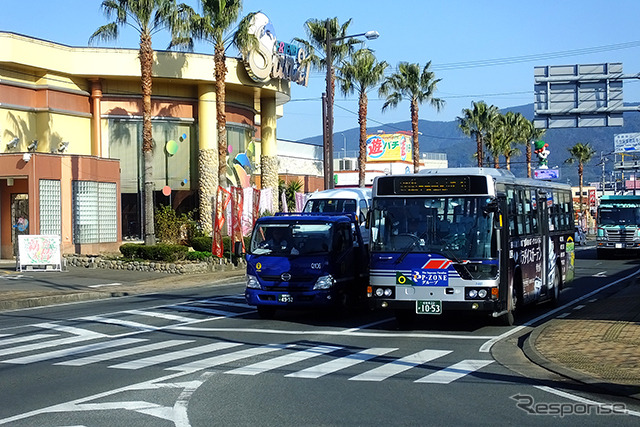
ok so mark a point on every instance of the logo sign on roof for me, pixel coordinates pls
(389, 147)
(274, 59)
(626, 143)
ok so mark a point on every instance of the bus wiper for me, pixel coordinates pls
(410, 247)
(457, 261)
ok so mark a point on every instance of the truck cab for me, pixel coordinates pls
(305, 260)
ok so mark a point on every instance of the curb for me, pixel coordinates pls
(530, 351)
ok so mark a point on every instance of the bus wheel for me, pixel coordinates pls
(508, 319)
(555, 292)
(405, 318)
(266, 312)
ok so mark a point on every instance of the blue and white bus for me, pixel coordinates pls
(468, 239)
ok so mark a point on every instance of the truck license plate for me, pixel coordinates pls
(429, 307)
(285, 298)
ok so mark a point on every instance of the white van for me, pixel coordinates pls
(347, 200)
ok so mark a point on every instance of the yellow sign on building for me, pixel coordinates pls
(389, 147)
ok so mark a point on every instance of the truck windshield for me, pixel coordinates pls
(619, 216)
(456, 227)
(291, 239)
(331, 205)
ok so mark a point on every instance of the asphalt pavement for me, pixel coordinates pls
(598, 344)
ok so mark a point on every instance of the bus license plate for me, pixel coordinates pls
(285, 298)
(429, 307)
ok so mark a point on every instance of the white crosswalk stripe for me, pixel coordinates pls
(72, 351)
(398, 366)
(175, 355)
(123, 353)
(278, 362)
(341, 363)
(16, 340)
(228, 358)
(120, 322)
(180, 357)
(160, 315)
(454, 372)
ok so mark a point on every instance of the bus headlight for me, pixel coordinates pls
(252, 282)
(323, 282)
(482, 293)
(472, 293)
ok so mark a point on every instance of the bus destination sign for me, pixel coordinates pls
(432, 185)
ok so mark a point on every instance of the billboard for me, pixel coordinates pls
(389, 147)
(626, 143)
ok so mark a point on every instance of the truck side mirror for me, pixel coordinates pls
(237, 249)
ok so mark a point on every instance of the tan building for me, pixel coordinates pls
(71, 136)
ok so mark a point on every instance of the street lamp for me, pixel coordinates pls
(328, 104)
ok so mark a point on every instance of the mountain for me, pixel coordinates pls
(446, 137)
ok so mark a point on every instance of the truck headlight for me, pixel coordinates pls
(323, 282)
(252, 282)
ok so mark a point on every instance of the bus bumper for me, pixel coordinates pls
(482, 306)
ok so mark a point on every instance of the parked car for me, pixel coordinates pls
(580, 238)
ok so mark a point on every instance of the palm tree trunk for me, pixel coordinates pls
(580, 172)
(414, 129)
(479, 144)
(528, 156)
(221, 114)
(146, 68)
(362, 121)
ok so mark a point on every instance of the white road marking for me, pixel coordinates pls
(228, 358)
(175, 355)
(159, 315)
(341, 363)
(70, 329)
(278, 362)
(105, 284)
(123, 353)
(121, 322)
(454, 372)
(347, 332)
(41, 357)
(10, 341)
(398, 366)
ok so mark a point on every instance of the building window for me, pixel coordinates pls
(94, 212)
(50, 215)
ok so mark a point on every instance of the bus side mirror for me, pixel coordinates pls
(237, 249)
(491, 205)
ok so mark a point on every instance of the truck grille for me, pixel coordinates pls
(621, 235)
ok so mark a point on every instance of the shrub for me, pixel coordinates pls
(198, 256)
(130, 250)
(202, 244)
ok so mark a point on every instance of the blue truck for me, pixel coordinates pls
(306, 260)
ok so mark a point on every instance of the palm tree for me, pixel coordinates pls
(416, 86)
(529, 134)
(513, 136)
(361, 73)
(581, 153)
(214, 26)
(476, 122)
(147, 17)
(316, 31)
(496, 139)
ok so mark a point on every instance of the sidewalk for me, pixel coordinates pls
(597, 344)
(82, 284)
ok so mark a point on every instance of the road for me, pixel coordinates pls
(204, 357)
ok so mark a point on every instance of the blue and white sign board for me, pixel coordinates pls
(626, 143)
(546, 174)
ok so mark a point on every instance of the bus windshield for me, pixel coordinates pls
(620, 216)
(456, 227)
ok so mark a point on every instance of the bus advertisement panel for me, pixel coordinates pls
(468, 239)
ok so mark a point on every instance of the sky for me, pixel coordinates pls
(483, 50)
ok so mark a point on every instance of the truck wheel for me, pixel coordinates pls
(266, 312)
